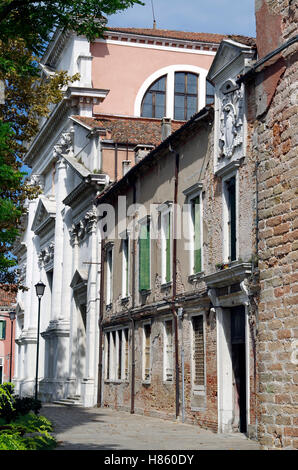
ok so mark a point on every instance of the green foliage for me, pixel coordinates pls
(26, 28)
(11, 442)
(29, 432)
(35, 21)
(7, 401)
(20, 428)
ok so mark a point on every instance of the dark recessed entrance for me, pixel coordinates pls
(239, 368)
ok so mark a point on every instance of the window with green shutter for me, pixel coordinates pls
(166, 247)
(2, 329)
(196, 218)
(144, 256)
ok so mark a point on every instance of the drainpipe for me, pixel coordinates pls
(99, 387)
(174, 263)
(116, 161)
(133, 293)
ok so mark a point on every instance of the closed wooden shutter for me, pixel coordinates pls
(197, 235)
(168, 247)
(199, 369)
(169, 350)
(108, 352)
(144, 257)
(147, 352)
(119, 354)
(125, 332)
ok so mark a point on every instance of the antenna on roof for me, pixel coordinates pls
(154, 22)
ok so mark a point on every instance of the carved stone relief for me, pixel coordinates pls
(231, 120)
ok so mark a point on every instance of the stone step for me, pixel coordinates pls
(73, 401)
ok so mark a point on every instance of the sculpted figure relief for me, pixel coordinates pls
(231, 123)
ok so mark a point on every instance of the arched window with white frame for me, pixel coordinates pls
(176, 92)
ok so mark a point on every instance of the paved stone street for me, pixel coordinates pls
(78, 428)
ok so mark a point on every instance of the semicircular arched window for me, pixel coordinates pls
(154, 101)
(186, 95)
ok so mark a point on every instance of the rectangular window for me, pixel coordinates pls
(2, 329)
(168, 350)
(197, 250)
(198, 350)
(230, 229)
(144, 256)
(116, 355)
(166, 247)
(109, 293)
(147, 353)
(125, 267)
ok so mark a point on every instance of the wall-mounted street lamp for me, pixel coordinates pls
(39, 287)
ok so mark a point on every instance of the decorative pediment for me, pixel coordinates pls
(228, 52)
(79, 286)
(79, 279)
(44, 215)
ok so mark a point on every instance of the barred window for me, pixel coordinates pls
(198, 349)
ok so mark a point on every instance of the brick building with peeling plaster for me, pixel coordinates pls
(204, 332)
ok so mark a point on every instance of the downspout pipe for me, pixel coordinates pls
(174, 265)
(99, 387)
(265, 59)
(133, 360)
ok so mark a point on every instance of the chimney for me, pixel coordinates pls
(141, 151)
(166, 128)
(268, 26)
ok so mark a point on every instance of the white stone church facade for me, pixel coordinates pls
(86, 144)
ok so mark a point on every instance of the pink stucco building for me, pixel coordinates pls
(7, 303)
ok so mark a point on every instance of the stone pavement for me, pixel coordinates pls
(77, 428)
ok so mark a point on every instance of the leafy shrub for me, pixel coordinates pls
(20, 428)
(25, 404)
(11, 442)
(7, 401)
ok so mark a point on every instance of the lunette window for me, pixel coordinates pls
(154, 101)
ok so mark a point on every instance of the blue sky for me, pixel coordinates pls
(213, 16)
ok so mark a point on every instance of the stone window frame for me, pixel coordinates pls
(125, 278)
(165, 357)
(112, 355)
(144, 379)
(109, 281)
(165, 209)
(198, 389)
(191, 193)
(225, 177)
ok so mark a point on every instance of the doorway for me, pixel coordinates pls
(232, 372)
(238, 350)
